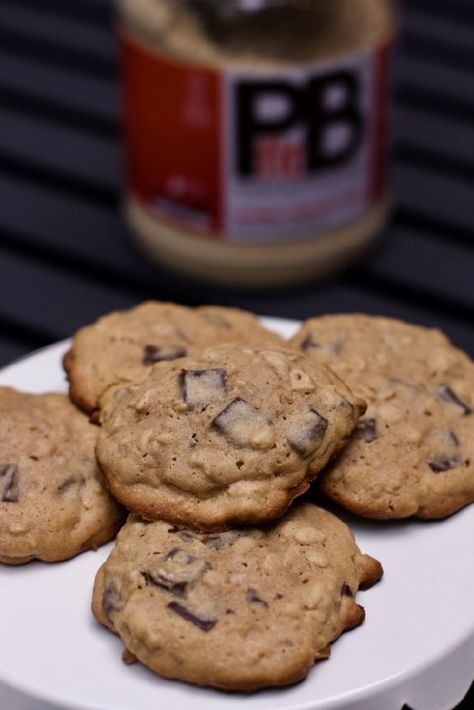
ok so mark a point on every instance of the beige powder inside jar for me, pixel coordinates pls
(286, 37)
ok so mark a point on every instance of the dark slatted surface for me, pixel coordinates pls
(66, 257)
(60, 224)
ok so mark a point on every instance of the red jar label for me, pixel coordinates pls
(256, 155)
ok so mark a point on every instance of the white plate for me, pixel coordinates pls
(416, 645)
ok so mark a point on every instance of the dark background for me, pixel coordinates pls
(66, 256)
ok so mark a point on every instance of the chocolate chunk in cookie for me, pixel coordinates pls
(176, 571)
(444, 453)
(202, 623)
(111, 600)
(155, 353)
(244, 425)
(202, 387)
(306, 431)
(367, 429)
(9, 483)
(253, 597)
(445, 393)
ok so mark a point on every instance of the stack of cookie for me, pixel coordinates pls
(210, 426)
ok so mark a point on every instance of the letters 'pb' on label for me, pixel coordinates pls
(246, 155)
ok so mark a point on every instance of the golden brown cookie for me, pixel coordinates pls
(413, 452)
(226, 436)
(53, 501)
(122, 347)
(241, 610)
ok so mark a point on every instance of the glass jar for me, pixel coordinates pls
(256, 133)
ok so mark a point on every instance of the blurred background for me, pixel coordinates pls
(66, 256)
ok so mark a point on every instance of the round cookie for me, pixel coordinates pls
(53, 502)
(227, 436)
(241, 610)
(122, 347)
(413, 452)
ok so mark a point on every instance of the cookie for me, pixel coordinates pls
(122, 347)
(243, 609)
(53, 502)
(413, 452)
(224, 437)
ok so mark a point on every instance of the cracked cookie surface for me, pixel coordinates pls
(122, 346)
(412, 453)
(243, 609)
(225, 437)
(53, 501)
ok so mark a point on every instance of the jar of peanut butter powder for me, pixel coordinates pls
(256, 133)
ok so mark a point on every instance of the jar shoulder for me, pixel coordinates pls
(298, 32)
